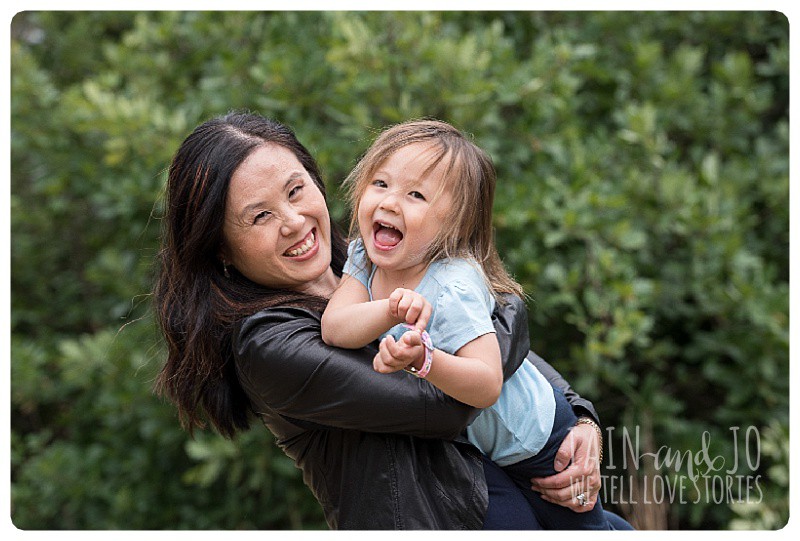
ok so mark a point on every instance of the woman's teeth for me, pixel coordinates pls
(303, 248)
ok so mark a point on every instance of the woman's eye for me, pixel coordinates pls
(417, 195)
(261, 216)
(296, 190)
(379, 183)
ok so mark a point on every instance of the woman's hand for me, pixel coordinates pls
(393, 356)
(578, 464)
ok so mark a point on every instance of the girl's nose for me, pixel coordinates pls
(389, 202)
(292, 222)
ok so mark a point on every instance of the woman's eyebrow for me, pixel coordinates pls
(293, 176)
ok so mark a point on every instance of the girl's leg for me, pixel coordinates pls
(556, 517)
(508, 509)
(617, 522)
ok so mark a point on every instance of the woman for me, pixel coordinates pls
(249, 257)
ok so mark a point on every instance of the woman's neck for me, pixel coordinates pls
(323, 286)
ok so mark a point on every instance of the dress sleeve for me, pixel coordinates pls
(357, 264)
(462, 312)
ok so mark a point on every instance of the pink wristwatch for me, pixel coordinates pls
(426, 365)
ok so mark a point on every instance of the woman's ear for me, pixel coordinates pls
(224, 258)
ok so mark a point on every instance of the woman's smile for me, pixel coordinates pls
(305, 249)
(277, 227)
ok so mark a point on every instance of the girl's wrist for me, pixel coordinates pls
(422, 366)
(418, 363)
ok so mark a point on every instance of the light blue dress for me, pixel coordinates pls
(517, 426)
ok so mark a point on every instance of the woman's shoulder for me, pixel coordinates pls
(274, 351)
(276, 320)
(275, 315)
(274, 329)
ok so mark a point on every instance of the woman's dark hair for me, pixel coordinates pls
(196, 305)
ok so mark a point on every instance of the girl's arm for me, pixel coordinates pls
(474, 375)
(351, 320)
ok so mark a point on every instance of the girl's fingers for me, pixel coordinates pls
(414, 310)
(378, 364)
(407, 350)
(410, 307)
(394, 298)
(424, 316)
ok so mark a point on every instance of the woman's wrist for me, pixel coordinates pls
(590, 422)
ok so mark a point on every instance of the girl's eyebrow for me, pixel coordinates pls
(252, 206)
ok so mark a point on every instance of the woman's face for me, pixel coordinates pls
(277, 227)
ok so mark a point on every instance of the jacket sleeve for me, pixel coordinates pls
(286, 368)
(580, 405)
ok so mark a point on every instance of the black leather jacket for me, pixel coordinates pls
(379, 451)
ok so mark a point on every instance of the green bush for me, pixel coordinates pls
(642, 202)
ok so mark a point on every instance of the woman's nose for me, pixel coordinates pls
(292, 221)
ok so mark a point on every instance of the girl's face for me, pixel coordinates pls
(402, 210)
(277, 227)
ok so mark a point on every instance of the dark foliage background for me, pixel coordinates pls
(643, 203)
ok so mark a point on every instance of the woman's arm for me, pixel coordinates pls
(285, 367)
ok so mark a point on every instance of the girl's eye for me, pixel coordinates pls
(379, 183)
(417, 195)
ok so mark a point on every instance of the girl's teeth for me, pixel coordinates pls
(303, 248)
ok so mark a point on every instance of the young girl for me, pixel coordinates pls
(424, 276)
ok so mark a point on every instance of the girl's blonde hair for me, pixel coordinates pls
(469, 176)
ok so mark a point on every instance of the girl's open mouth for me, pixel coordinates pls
(385, 236)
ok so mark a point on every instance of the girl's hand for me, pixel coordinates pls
(393, 356)
(408, 306)
(579, 453)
